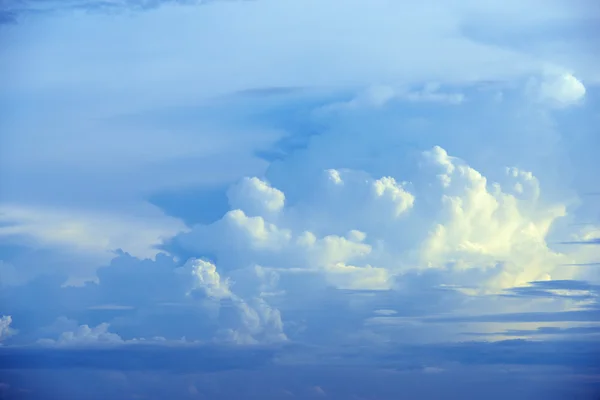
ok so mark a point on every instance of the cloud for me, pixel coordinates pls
(570, 289)
(207, 279)
(589, 241)
(90, 233)
(13, 10)
(5, 329)
(566, 316)
(82, 240)
(378, 96)
(337, 229)
(255, 321)
(275, 194)
(552, 331)
(255, 197)
(341, 58)
(359, 232)
(559, 90)
(84, 335)
(187, 138)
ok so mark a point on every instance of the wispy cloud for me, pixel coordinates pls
(11, 11)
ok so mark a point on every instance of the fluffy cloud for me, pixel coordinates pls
(5, 329)
(253, 321)
(559, 90)
(255, 197)
(373, 209)
(85, 335)
(368, 215)
(362, 233)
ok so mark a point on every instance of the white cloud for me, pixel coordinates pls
(88, 237)
(403, 188)
(5, 329)
(97, 233)
(182, 151)
(359, 232)
(99, 335)
(254, 321)
(84, 335)
(332, 52)
(206, 278)
(557, 89)
(378, 96)
(255, 197)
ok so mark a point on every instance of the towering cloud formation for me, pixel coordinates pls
(277, 182)
(251, 322)
(358, 232)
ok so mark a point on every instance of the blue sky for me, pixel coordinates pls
(299, 199)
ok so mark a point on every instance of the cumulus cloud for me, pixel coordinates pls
(255, 197)
(354, 221)
(377, 214)
(359, 232)
(559, 90)
(5, 329)
(253, 321)
(206, 279)
(85, 335)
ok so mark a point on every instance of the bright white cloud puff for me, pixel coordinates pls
(360, 232)
(5, 329)
(559, 90)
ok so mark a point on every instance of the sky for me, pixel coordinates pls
(273, 199)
